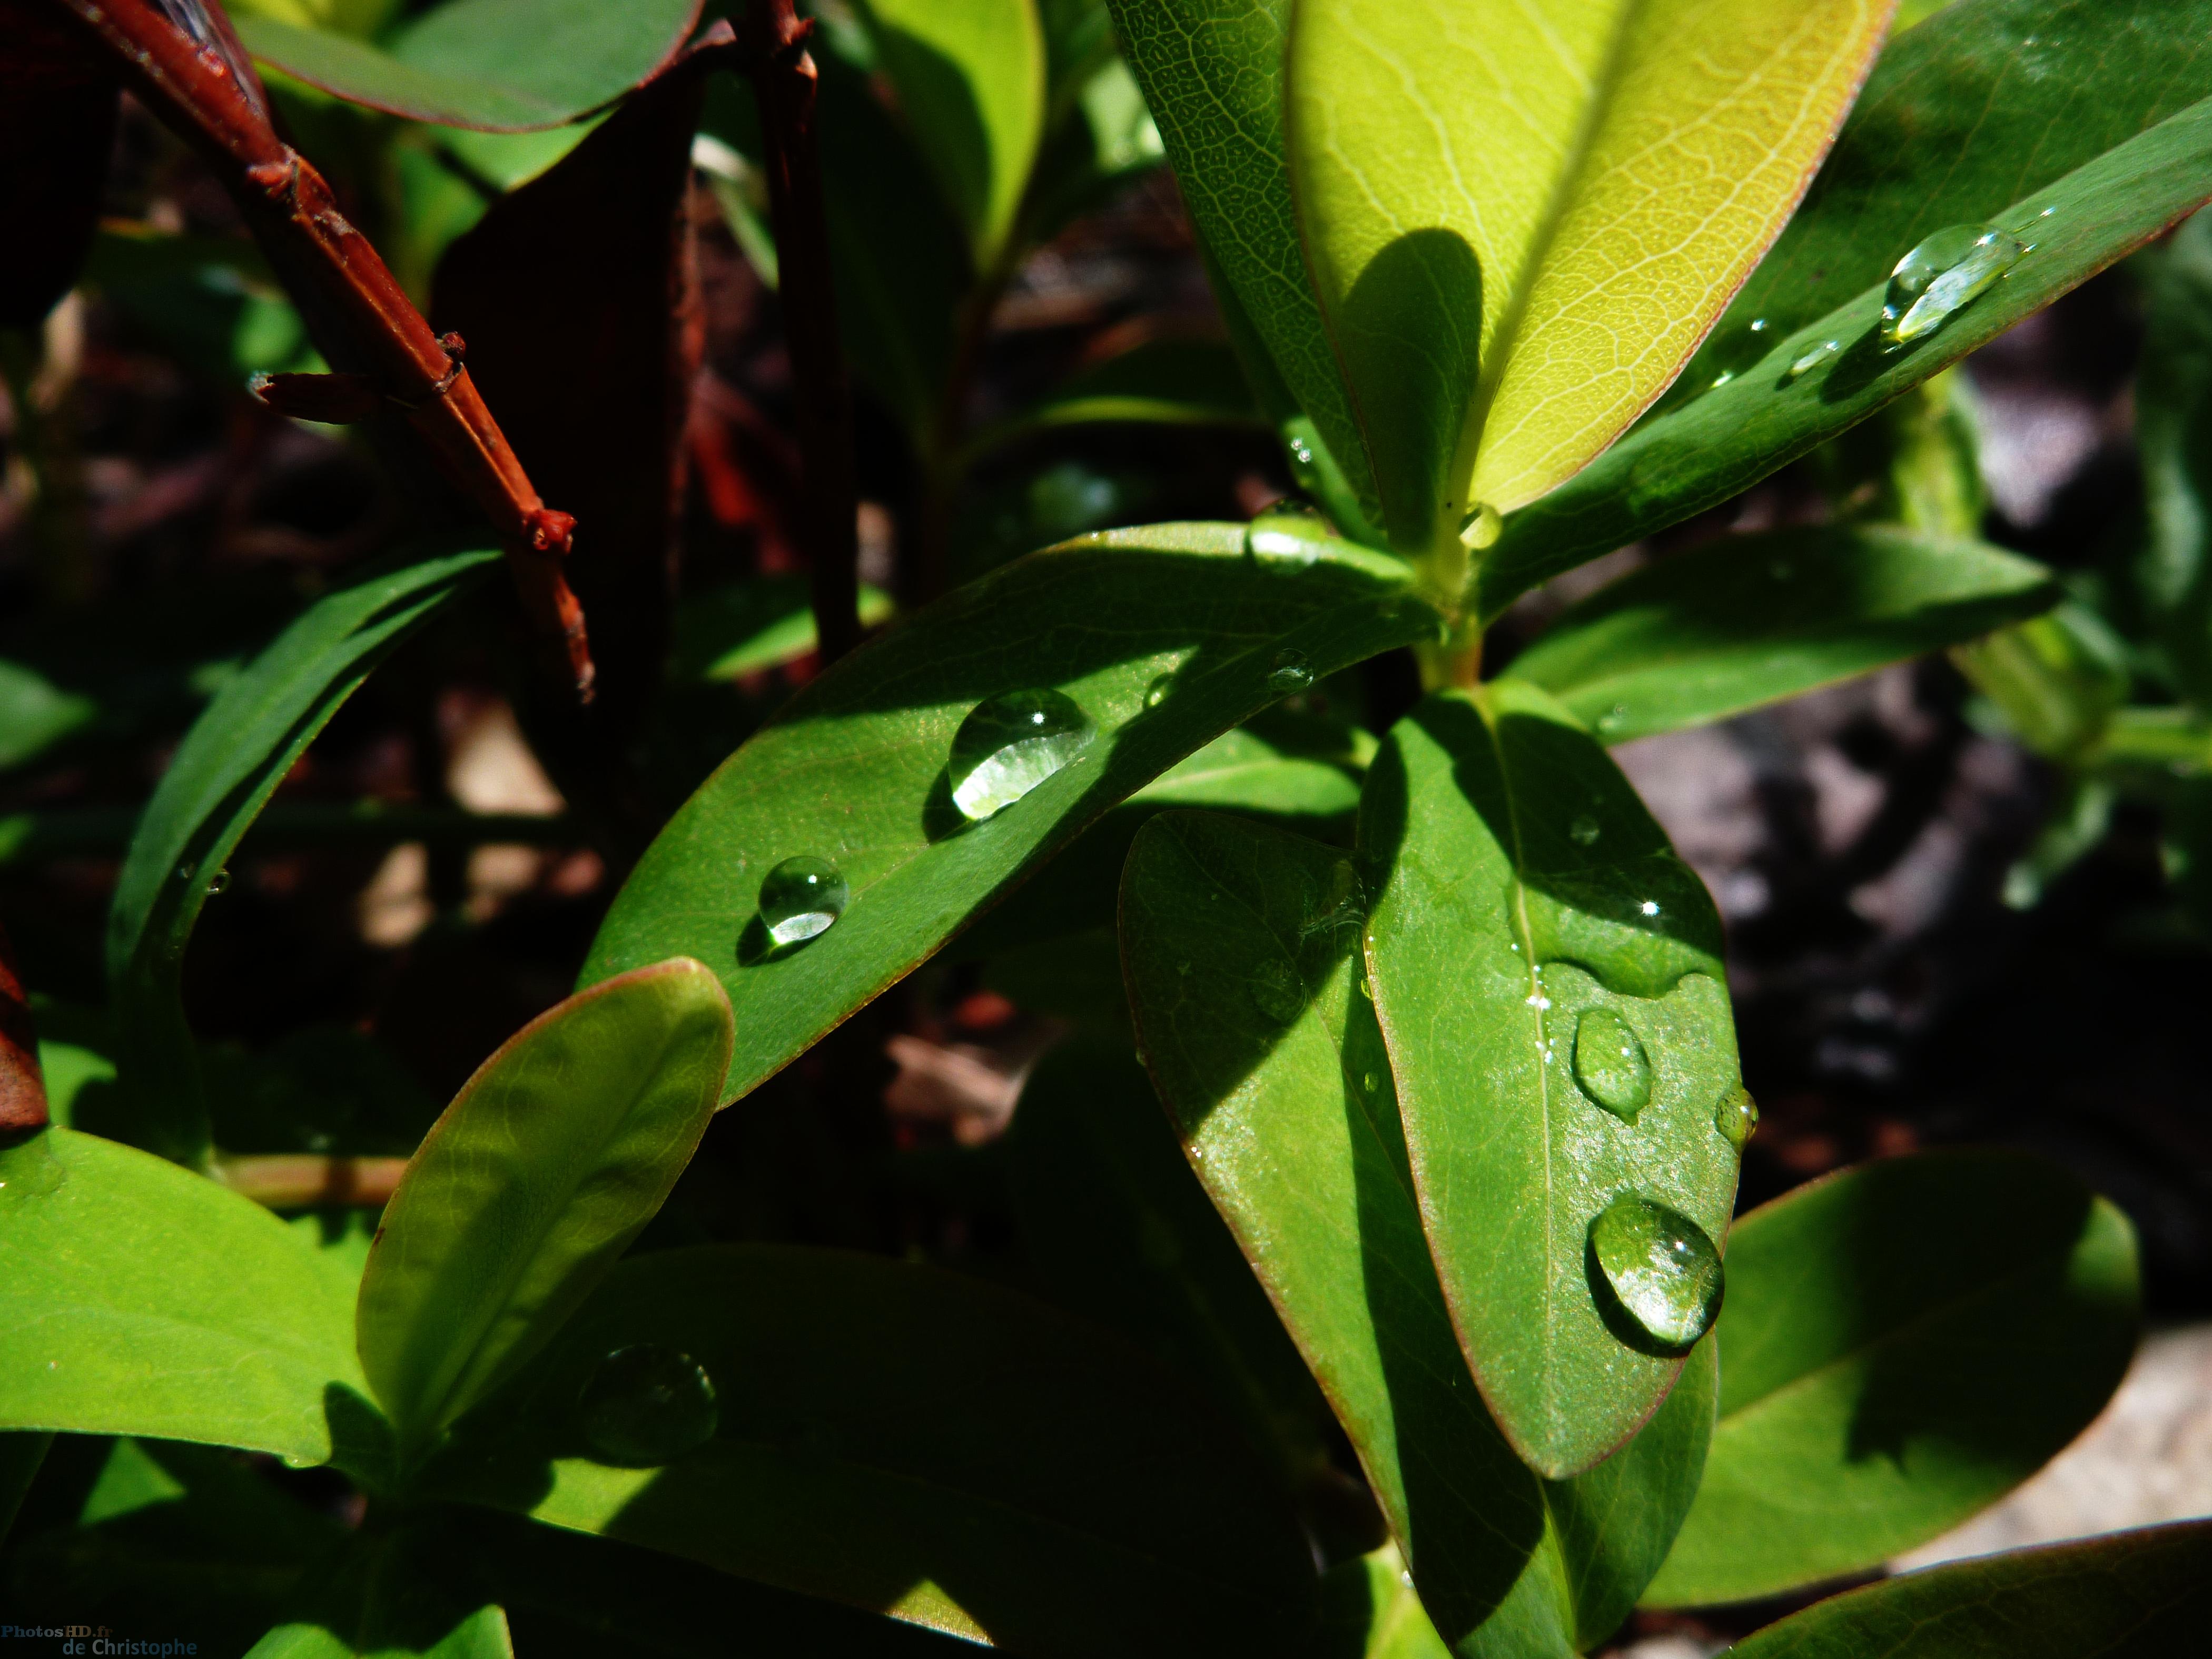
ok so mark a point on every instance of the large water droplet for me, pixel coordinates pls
(1278, 992)
(1584, 830)
(1481, 527)
(1611, 1065)
(801, 898)
(1290, 671)
(1947, 272)
(1012, 743)
(1736, 1116)
(1661, 1266)
(648, 1405)
(1289, 534)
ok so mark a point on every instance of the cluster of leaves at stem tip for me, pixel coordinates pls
(1453, 1109)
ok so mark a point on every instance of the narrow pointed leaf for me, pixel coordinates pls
(493, 65)
(1370, 1611)
(2127, 1595)
(1905, 1343)
(140, 1298)
(856, 770)
(970, 78)
(2173, 433)
(911, 1441)
(1531, 920)
(548, 1161)
(228, 765)
(1521, 219)
(1730, 438)
(1753, 619)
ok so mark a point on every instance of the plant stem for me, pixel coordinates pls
(785, 81)
(304, 1181)
(23, 1085)
(361, 319)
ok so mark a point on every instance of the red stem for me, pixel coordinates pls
(23, 1085)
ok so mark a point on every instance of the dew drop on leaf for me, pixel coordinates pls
(1277, 991)
(1290, 671)
(1660, 1266)
(1611, 1065)
(1810, 359)
(217, 882)
(1009, 745)
(1584, 831)
(1481, 527)
(801, 899)
(1945, 272)
(648, 1405)
(1736, 1116)
(1157, 692)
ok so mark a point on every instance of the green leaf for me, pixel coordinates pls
(1101, 140)
(1161, 382)
(35, 713)
(228, 765)
(1240, 946)
(1730, 438)
(1960, 119)
(1529, 920)
(970, 79)
(749, 627)
(552, 1157)
(1213, 70)
(143, 1299)
(2058, 680)
(1905, 1343)
(496, 65)
(395, 1592)
(2174, 435)
(1753, 619)
(907, 1440)
(855, 770)
(2128, 1596)
(1520, 219)
(1370, 1612)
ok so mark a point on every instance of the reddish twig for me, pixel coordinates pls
(23, 1085)
(205, 90)
(774, 42)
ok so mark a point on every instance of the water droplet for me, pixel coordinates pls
(1661, 1266)
(28, 1171)
(1289, 534)
(1613, 718)
(1944, 274)
(1810, 359)
(648, 1405)
(217, 882)
(1584, 831)
(1157, 692)
(1301, 443)
(801, 898)
(1481, 527)
(1736, 1116)
(1012, 743)
(1289, 672)
(1366, 987)
(1278, 992)
(1371, 1082)
(1611, 1065)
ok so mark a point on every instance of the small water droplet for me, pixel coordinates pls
(648, 1405)
(801, 899)
(1720, 379)
(1810, 359)
(1736, 1117)
(1613, 718)
(1371, 1082)
(1301, 443)
(1278, 992)
(1290, 671)
(1012, 743)
(1649, 907)
(1584, 831)
(1661, 1266)
(1157, 692)
(1611, 1065)
(1289, 535)
(1948, 271)
(217, 882)
(1481, 527)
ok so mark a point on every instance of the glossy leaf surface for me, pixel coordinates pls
(1520, 219)
(140, 1298)
(970, 79)
(548, 1161)
(495, 65)
(228, 765)
(746, 628)
(2127, 1595)
(1753, 619)
(1522, 894)
(1241, 947)
(918, 1442)
(1963, 116)
(1903, 1343)
(1163, 638)
(1731, 437)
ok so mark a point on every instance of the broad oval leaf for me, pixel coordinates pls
(1520, 219)
(1905, 1343)
(1771, 413)
(552, 1157)
(915, 1442)
(970, 78)
(223, 774)
(1525, 900)
(2141, 1595)
(141, 1300)
(494, 65)
(1164, 638)
(1753, 619)
(1240, 946)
